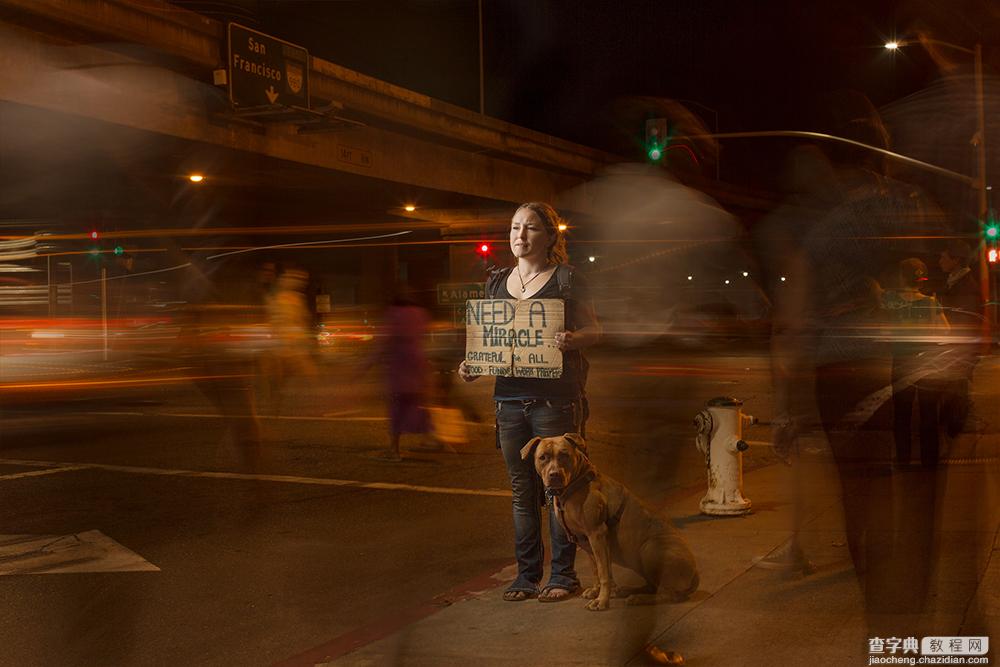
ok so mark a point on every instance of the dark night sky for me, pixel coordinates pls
(557, 65)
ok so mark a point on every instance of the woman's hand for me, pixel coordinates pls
(463, 372)
(565, 340)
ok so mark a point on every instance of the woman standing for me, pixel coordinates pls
(531, 407)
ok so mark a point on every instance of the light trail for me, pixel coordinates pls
(309, 243)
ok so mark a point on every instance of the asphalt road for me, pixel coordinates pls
(260, 560)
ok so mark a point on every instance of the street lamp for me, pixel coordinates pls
(979, 140)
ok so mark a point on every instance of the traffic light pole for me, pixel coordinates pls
(985, 279)
(104, 309)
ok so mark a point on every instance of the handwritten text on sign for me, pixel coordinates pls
(514, 338)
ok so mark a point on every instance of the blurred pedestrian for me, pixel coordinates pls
(917, 322)
(292, 337)
(962, 300)
(811, 188)
(831, 307)
(402, 354)
(530, 407)
(224, 371)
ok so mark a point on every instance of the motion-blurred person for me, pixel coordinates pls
(402, 355)
(832, 310)
(669, 259)
(530, 407)
(224, 372)
(962, 300)
(918, 323)
(811, 190)
(291, 325)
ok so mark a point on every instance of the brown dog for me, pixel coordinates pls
(612, 525)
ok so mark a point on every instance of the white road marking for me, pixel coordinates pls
(212, 415)
(47, 471)
(286, 479)
(90, 551)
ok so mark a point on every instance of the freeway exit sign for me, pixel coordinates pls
(264, 70)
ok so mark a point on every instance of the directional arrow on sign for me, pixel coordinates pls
(271, 93)
(90, 551)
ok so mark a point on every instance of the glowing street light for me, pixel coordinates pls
(591, 259)
(562, 227)
(196, 178)
(409, 208)
(892, 46)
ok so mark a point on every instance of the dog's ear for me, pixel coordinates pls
(529, 449)
(577, 441)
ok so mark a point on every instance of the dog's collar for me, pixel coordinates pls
(581, 480)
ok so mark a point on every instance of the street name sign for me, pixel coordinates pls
(514, 338)
(265, 70)
(456, 294)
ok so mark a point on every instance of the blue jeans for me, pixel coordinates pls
(518, 421)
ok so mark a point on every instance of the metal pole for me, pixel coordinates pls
(829, 137)
(48, 283)
(482, 93)
(72, 307)
(983, 212)
(718, 153)
(104, 309)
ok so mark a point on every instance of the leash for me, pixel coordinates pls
(553, 497)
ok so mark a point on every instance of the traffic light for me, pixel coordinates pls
(991, 237)
(119, 250)
(94, 235)
(657, 138)
(484, 250)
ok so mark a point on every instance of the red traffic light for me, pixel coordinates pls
(483, 249)
(94, 235)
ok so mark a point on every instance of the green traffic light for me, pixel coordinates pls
(119, 250)
(992, 231)
(655, 153)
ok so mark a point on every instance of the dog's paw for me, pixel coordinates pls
(590, 593)
(598, 605)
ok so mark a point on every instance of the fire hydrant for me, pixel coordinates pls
(720, 439)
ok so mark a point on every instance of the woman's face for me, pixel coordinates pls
(528, 236)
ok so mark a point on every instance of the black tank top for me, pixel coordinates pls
(570, 385)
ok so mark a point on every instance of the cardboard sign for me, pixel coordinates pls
(514, 338)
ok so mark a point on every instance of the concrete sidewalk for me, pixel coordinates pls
(742, 614)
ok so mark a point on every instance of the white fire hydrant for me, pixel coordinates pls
(720, 439)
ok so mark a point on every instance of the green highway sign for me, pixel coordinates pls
(265, 71)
